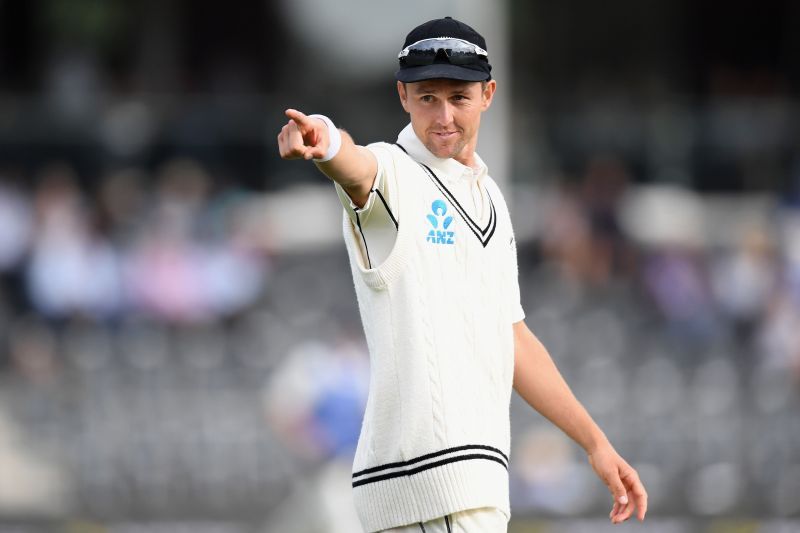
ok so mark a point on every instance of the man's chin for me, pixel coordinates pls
(444, 152)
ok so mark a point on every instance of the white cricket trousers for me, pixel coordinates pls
(484, 520)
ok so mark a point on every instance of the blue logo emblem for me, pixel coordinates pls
(439, 234)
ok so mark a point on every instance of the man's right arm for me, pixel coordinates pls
(353, 167)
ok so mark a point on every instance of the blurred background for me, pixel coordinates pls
(180, 348)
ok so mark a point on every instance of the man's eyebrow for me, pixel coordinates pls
(425, 88)
(429, 88)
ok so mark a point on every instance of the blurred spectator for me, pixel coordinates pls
(547, 477)
(17, 223)
(566, 239)
(604, 185)
(316, 399)
(121, 202)
(582, 233)
(779, 336)
(676, 279)
(73, 270)
(744, 279)
(177, 270)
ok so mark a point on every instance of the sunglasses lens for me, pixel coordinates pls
(418, 58)
(454, 51)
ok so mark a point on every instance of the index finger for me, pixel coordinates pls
(301, 119)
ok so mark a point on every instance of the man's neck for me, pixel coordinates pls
(467, 161)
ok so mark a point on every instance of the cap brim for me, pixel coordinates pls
(440, 70)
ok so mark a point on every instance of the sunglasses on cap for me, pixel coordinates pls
(425, 52)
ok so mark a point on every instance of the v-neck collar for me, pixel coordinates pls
(411, 145)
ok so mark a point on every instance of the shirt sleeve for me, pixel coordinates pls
(381, 193)
(377, 219)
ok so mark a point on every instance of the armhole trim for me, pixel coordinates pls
(386, 205)
(363, 238)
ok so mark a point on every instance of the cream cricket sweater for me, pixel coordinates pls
(437, 315)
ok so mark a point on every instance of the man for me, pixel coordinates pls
(434, 265)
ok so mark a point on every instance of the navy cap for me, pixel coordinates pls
(477, 70)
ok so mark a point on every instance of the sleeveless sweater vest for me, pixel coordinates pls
(438, 324)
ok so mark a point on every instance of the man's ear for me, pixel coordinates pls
(487, 93)
(401, 91)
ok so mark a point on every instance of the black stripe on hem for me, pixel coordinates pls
(447, 523)
(429, 466)
(431, 455)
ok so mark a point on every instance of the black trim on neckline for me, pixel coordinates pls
(484, 235)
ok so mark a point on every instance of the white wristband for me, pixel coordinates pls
(334, 139)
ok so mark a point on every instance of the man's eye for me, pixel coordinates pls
(427, 98)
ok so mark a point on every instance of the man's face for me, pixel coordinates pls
(446, 114)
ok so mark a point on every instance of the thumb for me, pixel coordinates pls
(313, 152)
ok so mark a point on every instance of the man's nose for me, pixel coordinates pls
(445, 114)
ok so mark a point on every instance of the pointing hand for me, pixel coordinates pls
(303, 137)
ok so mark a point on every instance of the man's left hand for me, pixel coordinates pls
(623, 482)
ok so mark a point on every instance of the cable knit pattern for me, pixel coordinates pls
(437, 317)
(429, 349)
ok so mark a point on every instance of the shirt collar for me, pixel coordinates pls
(452, 169)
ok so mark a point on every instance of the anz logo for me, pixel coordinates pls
(440, 234)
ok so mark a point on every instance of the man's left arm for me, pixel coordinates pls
(539, 382)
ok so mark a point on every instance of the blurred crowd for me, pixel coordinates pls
(170, 248)
(714, 267)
